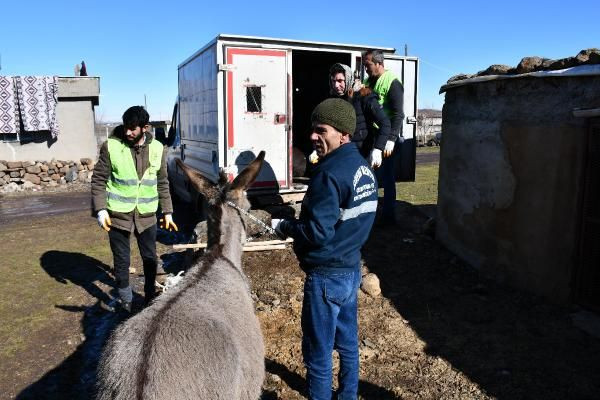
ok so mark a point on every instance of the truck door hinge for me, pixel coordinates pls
(226, 67)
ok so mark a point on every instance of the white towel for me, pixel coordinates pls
(9, 112)
(37, 97)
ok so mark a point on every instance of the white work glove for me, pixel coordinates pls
(357, 85)
(276, 224)
(104, 220)
(375, 158)
(313, 158)
(166, 223)
(389, 148)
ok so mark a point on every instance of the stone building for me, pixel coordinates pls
(429, 123)
(519, 185)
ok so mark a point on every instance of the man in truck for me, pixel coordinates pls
(129, 182)
(372, 123)
(391, 97)
(335, 221)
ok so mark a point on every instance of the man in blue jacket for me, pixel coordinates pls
(335, 221)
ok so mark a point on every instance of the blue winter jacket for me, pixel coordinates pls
(337, 212)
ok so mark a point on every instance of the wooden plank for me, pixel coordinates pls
(250, 246)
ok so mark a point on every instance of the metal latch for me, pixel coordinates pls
(280, 119)
(411, 120)
(226, 67)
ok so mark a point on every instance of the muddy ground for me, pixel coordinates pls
(438, 331)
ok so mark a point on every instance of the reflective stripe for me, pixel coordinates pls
(122, 199)
(125, 182)
(364, 208)
(133, 200)
(146, 200)
(133, 182)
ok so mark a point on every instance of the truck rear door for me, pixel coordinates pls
(407, 70)
(256, 113)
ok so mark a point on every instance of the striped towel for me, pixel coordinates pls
(37, 97)
(9, 111)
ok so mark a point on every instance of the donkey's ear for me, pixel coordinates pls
(203, 185)
(249, 174)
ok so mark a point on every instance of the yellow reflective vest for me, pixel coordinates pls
(124, 190)
(382, 87)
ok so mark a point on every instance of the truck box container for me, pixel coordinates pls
(239, 95)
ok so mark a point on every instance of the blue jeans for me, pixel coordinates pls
(385, 174)
(330, 321)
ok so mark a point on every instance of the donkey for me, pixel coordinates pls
(201, 339)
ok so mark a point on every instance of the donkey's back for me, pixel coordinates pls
(201, 340)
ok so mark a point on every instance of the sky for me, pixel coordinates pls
(136, 46)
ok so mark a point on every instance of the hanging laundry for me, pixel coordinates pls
(37, 97)
(9, 111)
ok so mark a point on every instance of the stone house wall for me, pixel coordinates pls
(511, 170)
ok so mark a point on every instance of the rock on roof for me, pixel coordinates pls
(534, 64)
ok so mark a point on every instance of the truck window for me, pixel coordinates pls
(253, 99)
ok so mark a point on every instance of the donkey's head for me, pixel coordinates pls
(218, 195)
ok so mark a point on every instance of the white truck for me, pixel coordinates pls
(239, 95)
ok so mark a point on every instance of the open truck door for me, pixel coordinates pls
(407, 70)
(256, 114)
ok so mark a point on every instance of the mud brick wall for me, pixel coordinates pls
(511, 178)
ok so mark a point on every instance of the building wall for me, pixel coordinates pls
(427, 127)
(75, 114)
(510, 185)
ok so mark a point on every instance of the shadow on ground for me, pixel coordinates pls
(297, 383)
(75, 377)
(513, 345)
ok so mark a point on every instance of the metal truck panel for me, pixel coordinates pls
(256, 113)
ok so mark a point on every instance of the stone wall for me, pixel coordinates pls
(37, 175)
(511, 169)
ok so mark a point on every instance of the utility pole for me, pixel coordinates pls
(405, 50)
(145, 105)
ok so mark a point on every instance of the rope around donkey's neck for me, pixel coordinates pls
(266, 228)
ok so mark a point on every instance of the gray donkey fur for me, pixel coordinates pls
(200, 340)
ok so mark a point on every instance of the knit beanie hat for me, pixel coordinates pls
(337, 113)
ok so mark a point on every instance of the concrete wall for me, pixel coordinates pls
(511, 170)
(75, 114)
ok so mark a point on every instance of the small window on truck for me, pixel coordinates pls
(253, 99)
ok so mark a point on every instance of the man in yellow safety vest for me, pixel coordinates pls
(129, 182)
(391, 96)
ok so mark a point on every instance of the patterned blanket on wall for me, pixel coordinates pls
(32, 101)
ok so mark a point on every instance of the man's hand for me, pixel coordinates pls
(313, 158)
(104, 220)
(375, 158)
(389, 148)
(277, 225)
(166, 223)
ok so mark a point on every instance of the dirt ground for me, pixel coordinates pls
(439, 330)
